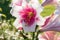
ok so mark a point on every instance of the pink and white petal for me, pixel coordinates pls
(15, 14)
(40, 21)
(47, 2)
(14, 2)
(53, 26)
(17, 23)
(39, 10)
(58, 1)
(58, 38)
(35, 4)
(17, 8)
(20, 28)
(24, 3)
(57, 11)
(40, 37)
(15, 11)
(47, 21)
(18, 3)
(29, 28)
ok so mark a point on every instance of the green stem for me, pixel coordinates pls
(33, 36)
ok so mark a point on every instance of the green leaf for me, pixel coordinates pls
(4, 15)
(48, 10)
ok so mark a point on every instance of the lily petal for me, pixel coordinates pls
(15, 11)
(27, 12)
(24, 3)
(40, 21)
(40, 37)
(14, 2)
(54, 25)
(29, 28)
(35, 4)
(17, 23)
(57, 11)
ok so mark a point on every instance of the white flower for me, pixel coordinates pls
(26, 6)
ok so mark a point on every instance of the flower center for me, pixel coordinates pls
(30, 15)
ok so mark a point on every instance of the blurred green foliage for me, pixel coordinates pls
(48, 10)
(5, 9)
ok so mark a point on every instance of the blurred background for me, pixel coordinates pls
(8, 31)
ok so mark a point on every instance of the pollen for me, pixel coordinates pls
(30, 14)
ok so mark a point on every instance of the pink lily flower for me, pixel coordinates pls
(53, 23)
(27, 15)
(49, 35)
(50, 27)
